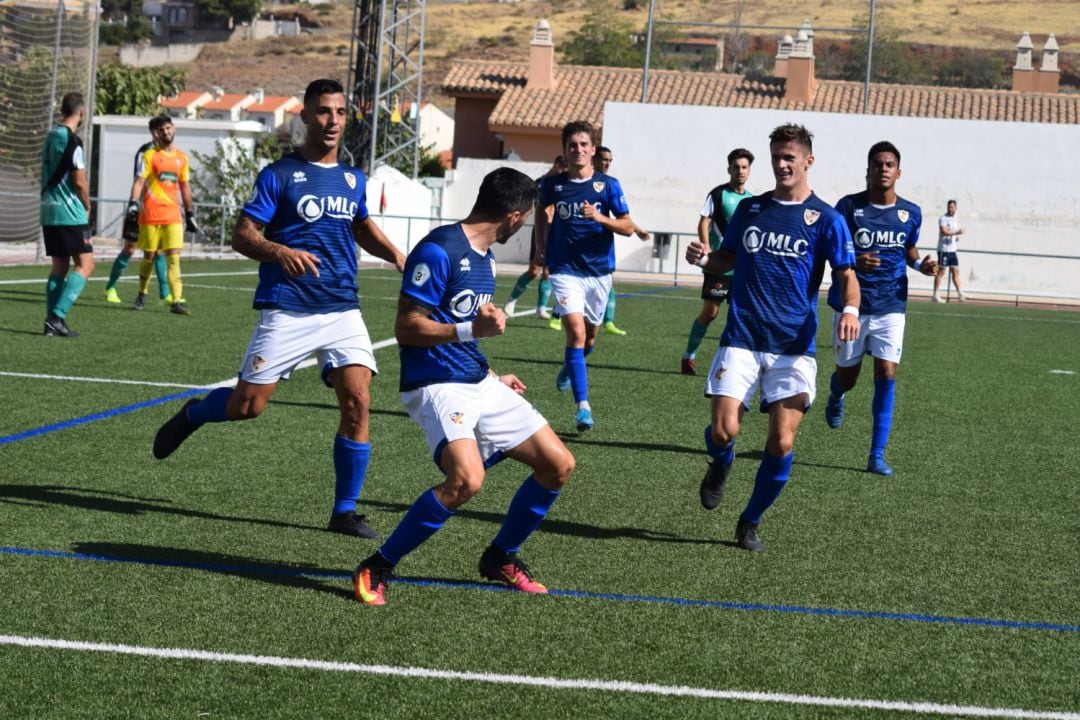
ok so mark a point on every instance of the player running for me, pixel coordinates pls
(885, 228)
(470, 416)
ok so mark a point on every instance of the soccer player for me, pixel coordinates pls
(719, 206)
(130, 237)
(65, 216)
(536, 265)
(885, 228)
(162, 186)
(303, 221)
(602, 161)
(778, 243)
(949, 231)
(470, 416)
(579, 244)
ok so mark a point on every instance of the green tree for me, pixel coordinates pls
(225, 177)
(123, 90)
(603, 39)
(219, 11)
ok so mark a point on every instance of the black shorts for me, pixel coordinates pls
(715, 287)
(67, 240)
(947, 259)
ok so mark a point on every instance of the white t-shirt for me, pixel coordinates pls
(947, 243)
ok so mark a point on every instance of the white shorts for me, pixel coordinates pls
(490, 413)
(578, 294)
(880, 336)
(283, 339)
(739, 373)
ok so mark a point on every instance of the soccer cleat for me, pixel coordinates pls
(713, 484)
(834, 411)
(57, 327)
(937, 298)
(584, 420)
(370, 580)
(111, 296)
(877, 465)
(610, 329)
(543, 313)
(352, 523)
(179, 308)
(174, 432)
(562, 380)
(140, 302)
(746, 537)
(508, 308)
(689, 366)
(555, 324)
(509, 569)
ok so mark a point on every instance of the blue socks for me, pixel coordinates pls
(725, 454)
(527, 510)
(882, 410)
(575, 370)
(422, 521)
(211, 408)
(350, 467)
(772, 475)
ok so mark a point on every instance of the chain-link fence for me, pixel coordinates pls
(47, 48)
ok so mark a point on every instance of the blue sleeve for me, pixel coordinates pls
(361, 198)
(547, 193)
(842, 206)
(916, 226)
(263, 202)
(616, 198)
(427, 272)
(838, 243)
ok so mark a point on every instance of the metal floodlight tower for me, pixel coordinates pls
(386, 70)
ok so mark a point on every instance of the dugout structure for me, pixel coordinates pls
(47, 49)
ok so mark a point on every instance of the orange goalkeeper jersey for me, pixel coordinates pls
(163, 172)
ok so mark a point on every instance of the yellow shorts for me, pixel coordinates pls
(161, 237)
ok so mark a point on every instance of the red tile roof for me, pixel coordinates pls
(271, 103)
(227, 101)
(581, 92)
(182, 99)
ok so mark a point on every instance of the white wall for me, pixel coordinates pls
(408, 203)
(1012, 181)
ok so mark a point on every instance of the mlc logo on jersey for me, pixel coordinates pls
(569, 210)
(311, 207)
(754, 240)
(866, 238)
(466, 302)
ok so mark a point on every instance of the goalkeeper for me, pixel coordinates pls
(130, 238)
(161, 184)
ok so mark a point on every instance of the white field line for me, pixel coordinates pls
(1063, 372)
(616, 686)
(130, 278)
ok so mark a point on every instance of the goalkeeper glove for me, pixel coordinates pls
(190, 225)
(133, 211)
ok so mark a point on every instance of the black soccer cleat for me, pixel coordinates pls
(746, 537)
(352, 523)
(713, 484)
(140, 302)
(174, 432)
(179, 308)
(58, 327)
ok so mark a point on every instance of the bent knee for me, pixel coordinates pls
(459, 488)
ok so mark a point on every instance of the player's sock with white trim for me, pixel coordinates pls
(693, 341)
(162, 272)
(527, 510)
(118, 267)
(882, 411)
(772, 476)
(422, 520)
(350, 467)
(575, 370)
(73, 287)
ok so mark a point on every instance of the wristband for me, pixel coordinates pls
(703, 260)
(464, 331)
(916, 265)
(850, 310)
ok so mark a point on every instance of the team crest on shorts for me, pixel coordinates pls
(903, 215)
(257, 362)
(810, 216)
(598, 186)
(719, 375)
(457, 417)
(351, 180)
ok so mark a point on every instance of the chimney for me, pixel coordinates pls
(1023, 76)
(801, 83)
(259, 95)
(216, 92)
(541, 58)
(783, 52)
(1049, 75)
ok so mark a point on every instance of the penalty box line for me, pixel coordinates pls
(552, 683)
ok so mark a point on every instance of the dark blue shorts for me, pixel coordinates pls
(947, 260)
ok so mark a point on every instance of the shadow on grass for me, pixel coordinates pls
(292, 576)
(19, 331)
(102, 501)
(563, 527)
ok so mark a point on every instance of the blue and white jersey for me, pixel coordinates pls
(577, 246)
(889, 231)
(780, 254)
(309, 206)
(444, 273)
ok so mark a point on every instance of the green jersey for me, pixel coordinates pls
(61, 154)
(720, 205)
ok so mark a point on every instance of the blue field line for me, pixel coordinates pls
(105, 415)
(614, 597)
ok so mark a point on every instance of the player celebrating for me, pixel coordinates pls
(162, 185)
(778, 244)
(719, 206)
(470, 416)
(885, 227)
(579, 245)
(305, 217)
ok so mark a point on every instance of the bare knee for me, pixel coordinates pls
(725, 431)
(244, 408)
(780, 445)
(554, 472)
(459, 487)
